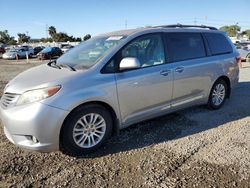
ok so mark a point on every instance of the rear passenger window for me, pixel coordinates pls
(218, 43)
(184, 46)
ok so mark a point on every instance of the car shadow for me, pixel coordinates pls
(179, 124)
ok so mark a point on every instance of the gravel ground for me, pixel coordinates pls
(191, 148)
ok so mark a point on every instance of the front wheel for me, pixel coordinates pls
(218, 94)
(85, 130)
(248, 58)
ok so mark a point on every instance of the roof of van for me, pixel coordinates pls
(176, 27)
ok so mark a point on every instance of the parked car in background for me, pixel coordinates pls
(114, 80)
(28, 49)
(7, 48)
(38, 49)
(15, 53)
(2, 50)
(49, 53)
(244, 52)
(66, 48)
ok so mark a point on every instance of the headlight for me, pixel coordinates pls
(37, 95)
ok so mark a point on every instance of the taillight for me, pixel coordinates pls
(238, 61)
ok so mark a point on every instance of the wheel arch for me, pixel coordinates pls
(227, 80)
(115, 120)
(247, 57)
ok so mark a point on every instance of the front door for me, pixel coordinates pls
(147, 91)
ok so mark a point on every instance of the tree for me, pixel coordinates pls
(52, 31)
(5, 38)
(73, 39)
(46, 40)
(78, 39)
(231, 30)
(12, 41)
(61, 36)
(87, 37)
(22, 38)
(247, 33)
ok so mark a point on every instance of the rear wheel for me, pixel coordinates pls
(218, 94)
(85, 130)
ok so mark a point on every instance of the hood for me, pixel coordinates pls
(38, 77)
(45, 51)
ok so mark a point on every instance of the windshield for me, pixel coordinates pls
(45, 50)
(13, 50)
(88, 53)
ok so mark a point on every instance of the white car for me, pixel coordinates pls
(14, 53)
(66, 48)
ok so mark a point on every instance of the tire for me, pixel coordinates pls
(218, 94)
(248, 58)
(78, 137)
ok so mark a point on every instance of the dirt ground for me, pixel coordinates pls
(192, 148)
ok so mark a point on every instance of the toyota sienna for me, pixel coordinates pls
(111, 81)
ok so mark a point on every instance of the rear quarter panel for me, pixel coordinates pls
(224, 65)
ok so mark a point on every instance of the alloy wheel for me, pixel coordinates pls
(89, 130)
(218, 94)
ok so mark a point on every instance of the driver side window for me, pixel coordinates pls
(148, 50)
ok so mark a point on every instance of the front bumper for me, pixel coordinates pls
(9, 57)
(36, 120)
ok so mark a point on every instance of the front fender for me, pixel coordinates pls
(94, 89)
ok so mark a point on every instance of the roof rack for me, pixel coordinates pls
(187, 26)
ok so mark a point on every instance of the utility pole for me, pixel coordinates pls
(27, 34)
(126, 24)
(46, 30)
(237, 34)
(195, 21)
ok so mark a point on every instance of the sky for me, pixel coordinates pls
(81, 17)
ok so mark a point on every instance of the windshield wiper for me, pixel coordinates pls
(53, 64)
(68, 67)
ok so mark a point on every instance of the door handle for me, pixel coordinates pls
(179, 69)
(165, 72)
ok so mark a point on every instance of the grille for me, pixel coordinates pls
(9, 99)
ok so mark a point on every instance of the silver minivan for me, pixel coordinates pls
(111, 81)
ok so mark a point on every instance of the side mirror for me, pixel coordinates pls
(129, 63)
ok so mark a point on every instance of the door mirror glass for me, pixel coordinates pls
(128, 63)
